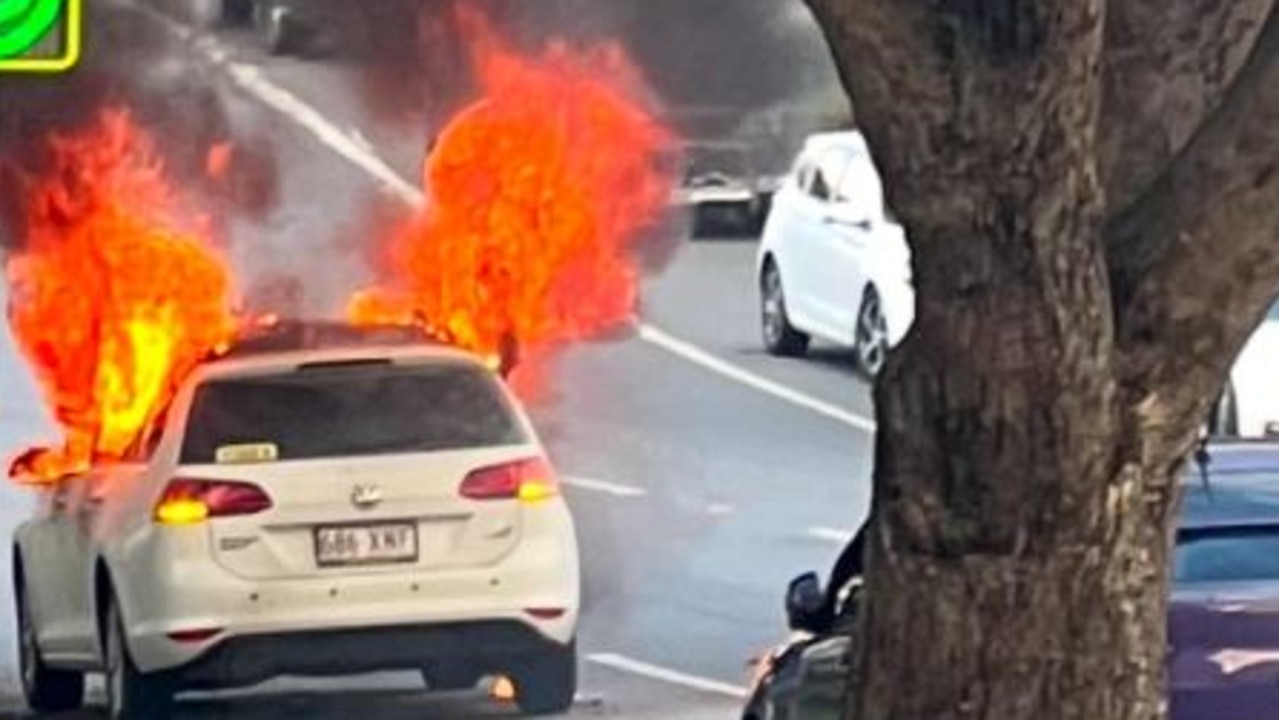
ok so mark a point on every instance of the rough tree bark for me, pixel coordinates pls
(1089, 187)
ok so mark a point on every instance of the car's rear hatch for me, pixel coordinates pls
(363, 467)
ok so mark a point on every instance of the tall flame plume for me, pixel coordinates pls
(114, 297)
(536, 194)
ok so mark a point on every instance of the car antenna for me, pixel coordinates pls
(1203, 458)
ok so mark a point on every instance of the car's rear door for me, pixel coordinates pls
(364, 467)
(58, 571)
(851, 249)
(815, 243)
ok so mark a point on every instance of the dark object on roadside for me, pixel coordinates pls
(1223, 617)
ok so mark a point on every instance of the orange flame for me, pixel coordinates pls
(536, 194)
(112, 300)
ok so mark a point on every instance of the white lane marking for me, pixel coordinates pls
(698, 356)
(616, 489)
(251, 79)
(672, 677)
(824, 533)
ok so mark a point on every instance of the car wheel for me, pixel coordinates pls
(872, 334)
(131, 695)
(46, 690)
(780, 337)
(547, 684)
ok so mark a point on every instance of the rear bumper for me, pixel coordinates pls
(170, 585)
(481, 647)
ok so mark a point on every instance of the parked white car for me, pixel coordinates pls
(1249, 407)
(832, 264)
(309, 512)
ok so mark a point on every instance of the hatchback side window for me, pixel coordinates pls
(827, 175)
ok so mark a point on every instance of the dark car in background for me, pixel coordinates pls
(1223, 616)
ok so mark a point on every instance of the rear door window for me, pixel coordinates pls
(352, 410)
(1223, 555)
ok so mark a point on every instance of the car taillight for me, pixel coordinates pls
(189, 501)
(529, 481)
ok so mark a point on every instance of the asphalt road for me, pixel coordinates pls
(703, 474)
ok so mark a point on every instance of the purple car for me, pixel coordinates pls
(1223, 619)
(1223, 623)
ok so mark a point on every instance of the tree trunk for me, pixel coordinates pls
(1017, 567)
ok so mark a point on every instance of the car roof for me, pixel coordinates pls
(847, 139)
(1241, 489)
(289, 345)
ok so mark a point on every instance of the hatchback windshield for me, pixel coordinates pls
(352, 410)
(1234, 554)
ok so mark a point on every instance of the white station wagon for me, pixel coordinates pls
(316, 511)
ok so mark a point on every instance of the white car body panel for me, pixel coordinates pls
(829, 252)
(480, 560)
(1255, 379)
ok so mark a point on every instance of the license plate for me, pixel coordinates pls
(374, 544)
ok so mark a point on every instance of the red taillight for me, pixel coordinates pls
(192, 637)
(188, 501)
(529, 480)
(547, 613)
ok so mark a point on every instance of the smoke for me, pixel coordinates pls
(132, 61)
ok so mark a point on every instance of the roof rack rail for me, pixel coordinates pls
(295, 335)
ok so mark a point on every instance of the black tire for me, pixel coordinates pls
(871, 334)
(547, 683)
(131, 695)
(780, 337)
(46, 690)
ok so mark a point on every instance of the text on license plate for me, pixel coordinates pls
(366, 544)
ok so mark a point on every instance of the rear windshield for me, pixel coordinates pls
(1227, 555)
(343, 411)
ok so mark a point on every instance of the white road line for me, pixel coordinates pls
(622, 491)
(696, 355)
(824, 533)
(672, 677)
(251, 79)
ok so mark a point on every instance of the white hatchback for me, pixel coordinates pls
(308, 512)
(832, 264)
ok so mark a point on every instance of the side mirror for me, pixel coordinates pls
(804, 601)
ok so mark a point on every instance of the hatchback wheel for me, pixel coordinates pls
(130, 694)
(547, 683)
(780, 337)
(872, 335)
(46, 690)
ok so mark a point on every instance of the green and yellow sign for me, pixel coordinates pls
(40, 36)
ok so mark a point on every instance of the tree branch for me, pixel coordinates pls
(1195, 260)
(1168, 66)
